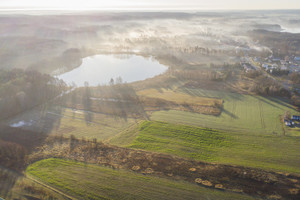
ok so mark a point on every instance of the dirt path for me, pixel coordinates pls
(50, 188)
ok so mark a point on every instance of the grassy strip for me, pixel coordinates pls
(241, 113)
(279, 153)
(125, 137)
(88, 181)
(185, 141)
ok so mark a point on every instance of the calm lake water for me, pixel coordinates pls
(100, 69)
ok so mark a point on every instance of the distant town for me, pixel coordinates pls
(273, 65)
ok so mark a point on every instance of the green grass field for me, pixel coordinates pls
(86, 181)
(270, 152)
(242, 113)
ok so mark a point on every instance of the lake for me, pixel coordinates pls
(99, 69)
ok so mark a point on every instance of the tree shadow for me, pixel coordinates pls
(8, 179)
(31, 128)
(119, 100)
(261, 98)
(87, 104)
(280, 101)
(230, 114)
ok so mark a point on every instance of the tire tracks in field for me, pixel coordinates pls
(261, 113)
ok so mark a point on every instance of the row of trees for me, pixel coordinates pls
(197, 74)
(267, 86)
(296, 100)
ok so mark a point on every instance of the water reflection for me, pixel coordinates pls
(99, 69)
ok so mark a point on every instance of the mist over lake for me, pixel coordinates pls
(99, 69)
(180, 104)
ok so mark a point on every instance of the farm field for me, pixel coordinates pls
(98, 182)
(270, 152)
(16, 186)
(180, 98)
(241, 113)
(67, 122)
(101, 127)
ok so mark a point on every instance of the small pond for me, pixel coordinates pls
(99, 69)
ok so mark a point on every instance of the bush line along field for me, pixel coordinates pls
(180, 98)
(241, 113)
(268, 152)
(98, 182)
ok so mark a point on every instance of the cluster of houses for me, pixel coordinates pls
(273, 64)
(291, 122)
(247, 67)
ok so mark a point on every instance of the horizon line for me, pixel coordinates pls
(138, 9)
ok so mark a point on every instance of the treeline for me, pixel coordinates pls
(295, 77)
(214, 72)
(24, 89)
(267, 86)
(296, 100)
(253, 74)
(194, 75)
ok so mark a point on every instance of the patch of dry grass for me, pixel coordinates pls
(180, 98)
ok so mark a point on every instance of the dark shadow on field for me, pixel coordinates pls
(26, 138)
(120, 101)
(8, 179)
(50, 118)
(165, 87)
(87, 104)
(280, 101)
(230, 114)
(38, 123)
(261, 98)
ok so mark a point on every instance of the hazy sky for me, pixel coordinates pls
(152, 4)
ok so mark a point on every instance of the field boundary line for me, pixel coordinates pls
(50, 187)
(262, 120)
